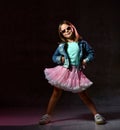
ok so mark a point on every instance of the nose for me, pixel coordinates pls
(66, 30)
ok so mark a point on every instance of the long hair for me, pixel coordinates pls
(75, 36)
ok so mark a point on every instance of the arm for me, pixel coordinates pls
(57, 56)
(88, 53)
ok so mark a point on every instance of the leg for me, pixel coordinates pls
(89, 103)
(53, 100)
(86, 99)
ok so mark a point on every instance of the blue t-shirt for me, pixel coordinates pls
(73, 52)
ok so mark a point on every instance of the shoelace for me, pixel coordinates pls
(45, 117)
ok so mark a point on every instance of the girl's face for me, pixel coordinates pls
(66, 30)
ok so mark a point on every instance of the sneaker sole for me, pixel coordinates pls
(101, 123)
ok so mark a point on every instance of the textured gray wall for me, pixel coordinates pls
(28, 38)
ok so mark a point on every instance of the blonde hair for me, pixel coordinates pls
(76, 35)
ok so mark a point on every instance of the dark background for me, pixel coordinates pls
(28, 38)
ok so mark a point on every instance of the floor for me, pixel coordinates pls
(64, 118)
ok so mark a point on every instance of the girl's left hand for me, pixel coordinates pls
(84, 63)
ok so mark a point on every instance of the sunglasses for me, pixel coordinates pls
(67, 29)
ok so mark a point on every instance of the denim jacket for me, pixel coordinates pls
(85, 52)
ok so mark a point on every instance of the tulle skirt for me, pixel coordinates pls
(71, 79)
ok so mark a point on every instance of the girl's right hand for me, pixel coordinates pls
(62, 59)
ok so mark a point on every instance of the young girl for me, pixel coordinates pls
(72, 55)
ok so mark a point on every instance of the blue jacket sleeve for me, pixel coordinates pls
(57, 56)
(88, 52)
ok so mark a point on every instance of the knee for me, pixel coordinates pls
(57, 93)
(82, 95)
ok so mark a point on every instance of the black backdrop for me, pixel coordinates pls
(28, 38)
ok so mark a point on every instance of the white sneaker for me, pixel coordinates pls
(45, 119)
(99, 119)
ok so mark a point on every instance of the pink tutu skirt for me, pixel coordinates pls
(67, 79)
